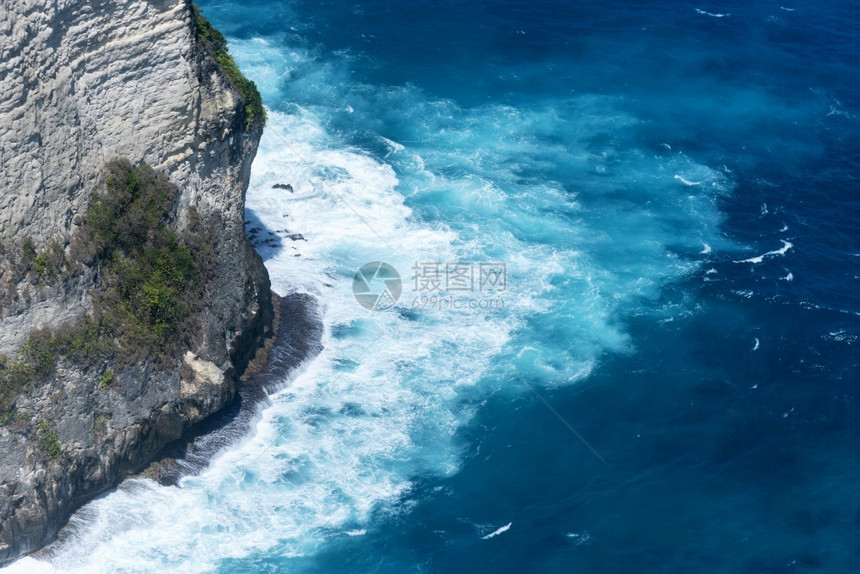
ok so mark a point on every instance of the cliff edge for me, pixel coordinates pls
(82, 84)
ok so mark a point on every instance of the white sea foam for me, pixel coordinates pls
(786, 245)
(580, 538)
(395, 147)
(712, 14)
(686, 181)
(842, 336)
(495, 533)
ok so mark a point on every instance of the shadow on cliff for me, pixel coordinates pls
(268, 243)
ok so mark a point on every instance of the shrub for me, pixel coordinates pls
(48, 441)
(49, 262)
(28, 250)
(216, 45)
(86, 340)
(106, 379)
(41, 264)
(24, 261)
(40, 353)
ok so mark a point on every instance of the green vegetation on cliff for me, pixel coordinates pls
(85, 341)
(216, 44)
(21, 261)
(152, 280)
(48, 441)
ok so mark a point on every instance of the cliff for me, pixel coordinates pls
(82, 83)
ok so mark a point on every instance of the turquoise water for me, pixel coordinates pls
(667, 381)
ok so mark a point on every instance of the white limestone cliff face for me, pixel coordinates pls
(83, 82)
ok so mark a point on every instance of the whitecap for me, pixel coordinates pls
(495, 533)
(581, 538)
(711, 14)
(393, 145)
(685, 181)
(842, 336)
(786, 245)
(838, 111)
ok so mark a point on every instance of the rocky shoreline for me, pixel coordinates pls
(297, 340)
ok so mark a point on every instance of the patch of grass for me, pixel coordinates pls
(36, 359)
(216, 44)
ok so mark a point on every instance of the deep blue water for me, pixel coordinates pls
(722, 458)
(675, 189)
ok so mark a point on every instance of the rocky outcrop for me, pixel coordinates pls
(81, 83)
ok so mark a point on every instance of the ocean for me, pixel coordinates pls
(624, 336)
